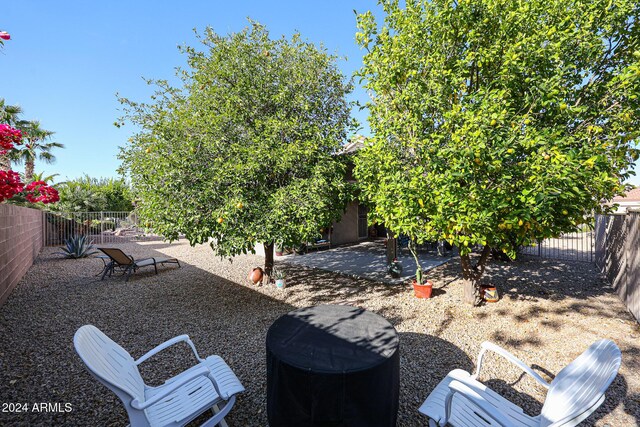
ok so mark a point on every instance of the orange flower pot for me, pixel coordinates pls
(255, 276)
(423, 290)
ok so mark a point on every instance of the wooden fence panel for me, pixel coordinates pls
(618, 256)
(600, 232)
(632, 297)
(615, 259)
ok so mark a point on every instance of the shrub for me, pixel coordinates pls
(78, 247)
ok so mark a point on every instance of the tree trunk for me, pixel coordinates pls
(470, 288)
(471, 275)
(392, 247)
(28, 170)
(268, 263)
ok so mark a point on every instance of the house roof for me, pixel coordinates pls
(356, 143)
(632, 196)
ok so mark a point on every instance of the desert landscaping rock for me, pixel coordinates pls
(549, 313)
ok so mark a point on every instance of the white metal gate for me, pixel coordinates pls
(101, 227)
(576, 246)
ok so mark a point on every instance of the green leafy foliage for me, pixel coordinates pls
(496, 122)
(243, 152)
(78, 247)
(279, 274)
(89, 194)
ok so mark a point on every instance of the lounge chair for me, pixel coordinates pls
(574, 394)
(178, 401)
(128, 264)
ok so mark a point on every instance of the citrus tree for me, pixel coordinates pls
(244, 151)
(498, 122)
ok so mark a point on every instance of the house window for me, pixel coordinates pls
(363, 229)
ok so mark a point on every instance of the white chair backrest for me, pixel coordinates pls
(579, 388)
(110, 363)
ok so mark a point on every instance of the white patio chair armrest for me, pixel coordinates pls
(466, 392)
(511, 358)
(171, 387)
(169, 343)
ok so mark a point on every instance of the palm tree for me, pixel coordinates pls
(9, 115)
(48, 179)
(34, 147)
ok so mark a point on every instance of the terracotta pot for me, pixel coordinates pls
(489, 293)
(256, 275)
(423, 290)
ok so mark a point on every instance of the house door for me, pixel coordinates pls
(363, 229)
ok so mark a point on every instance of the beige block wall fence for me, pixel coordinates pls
(21, 238)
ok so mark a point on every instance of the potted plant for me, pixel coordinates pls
(422, 288)
(489, 293)
(280, 277)
(278, 248)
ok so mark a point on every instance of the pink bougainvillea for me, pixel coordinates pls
(8, 137)
(10, 184)
(39, 191)
(4, 35)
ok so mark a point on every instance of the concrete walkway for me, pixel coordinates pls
(366, 260)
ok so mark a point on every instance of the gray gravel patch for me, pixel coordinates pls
(550, 312)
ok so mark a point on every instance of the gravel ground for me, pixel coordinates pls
(550, 312)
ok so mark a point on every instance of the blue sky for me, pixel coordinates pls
(68, 59)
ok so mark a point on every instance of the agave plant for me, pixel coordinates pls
(279, 274)
(78, 247)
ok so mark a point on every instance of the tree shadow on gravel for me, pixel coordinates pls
(37, 324)
(38, 362)
(424, 361)
(330, 287)
(532, 279)
(529, 278)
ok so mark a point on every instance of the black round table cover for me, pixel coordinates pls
(332, 365)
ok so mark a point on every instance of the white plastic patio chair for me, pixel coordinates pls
(574, 394)
(176, 402)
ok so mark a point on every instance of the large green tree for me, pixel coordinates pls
(498, 122)
(245, 151)
(87, 194)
